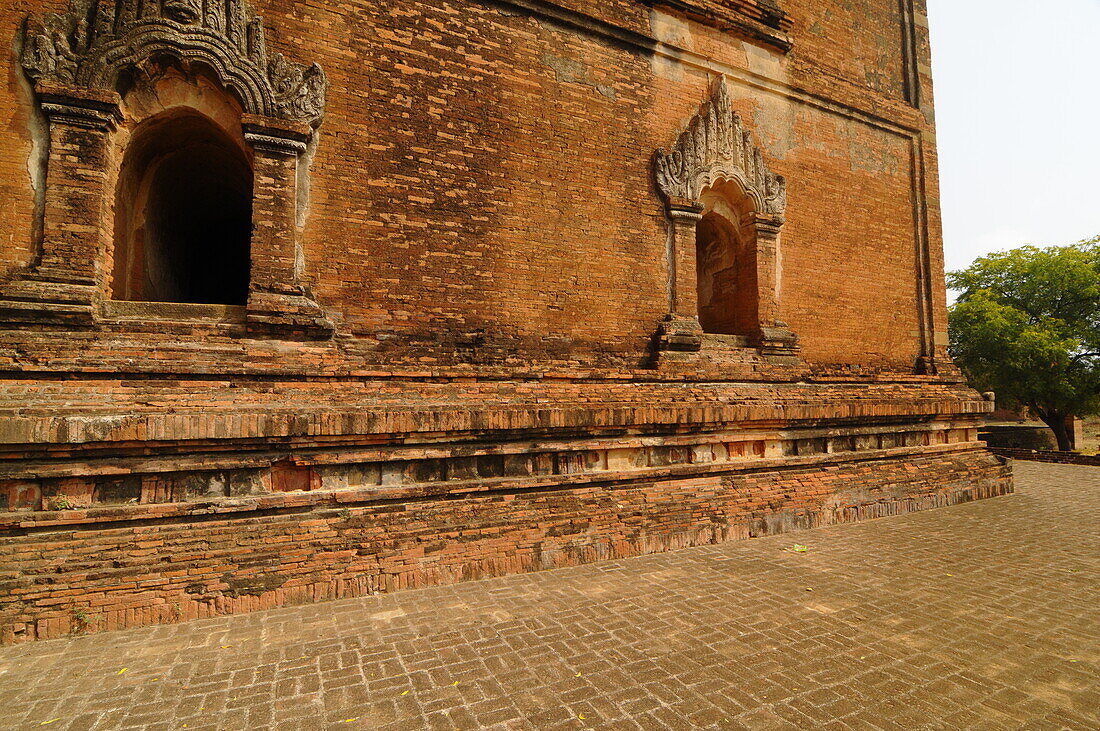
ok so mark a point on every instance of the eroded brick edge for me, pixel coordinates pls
(62, 582)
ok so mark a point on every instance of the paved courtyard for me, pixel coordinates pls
(984, 615)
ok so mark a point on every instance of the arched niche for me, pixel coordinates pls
(725, 262)
(183, 214)
(725, 209)
(99, 71)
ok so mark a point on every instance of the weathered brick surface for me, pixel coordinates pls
(449, 363)
(976, 616)
(481, 189)
(163, 565)
(1036, 455)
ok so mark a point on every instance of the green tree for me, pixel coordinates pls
(1027, 325)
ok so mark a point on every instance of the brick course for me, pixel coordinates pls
(1039, 455)
(167, 567)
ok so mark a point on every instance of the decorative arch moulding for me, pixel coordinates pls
(92, 43)
(714, 147)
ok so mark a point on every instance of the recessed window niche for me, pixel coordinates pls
(183, 215)
(726, 278)
(208, 129)
(725, 208)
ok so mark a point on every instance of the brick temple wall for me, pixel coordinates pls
(1042, 455)
(479, 221)
(124, 504)
(482, 187)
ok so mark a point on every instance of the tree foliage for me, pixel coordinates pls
(1027, 325)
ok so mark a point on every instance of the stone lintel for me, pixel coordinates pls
(276, 135)
(79, 106)
(684, 208)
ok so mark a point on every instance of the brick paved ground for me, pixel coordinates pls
(980, 616)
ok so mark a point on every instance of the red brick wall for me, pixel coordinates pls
(856, 44)
(483, 230)
(482, 187)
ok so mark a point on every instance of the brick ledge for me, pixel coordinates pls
(23, 523)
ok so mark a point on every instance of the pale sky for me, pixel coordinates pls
(1017, 91)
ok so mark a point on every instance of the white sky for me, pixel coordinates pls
(1017, 92)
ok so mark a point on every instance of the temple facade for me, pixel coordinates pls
(312, 300)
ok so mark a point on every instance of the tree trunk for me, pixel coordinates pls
(1056, 420)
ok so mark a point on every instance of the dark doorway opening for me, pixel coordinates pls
(183, 225)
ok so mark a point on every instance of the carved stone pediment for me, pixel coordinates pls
(715, 147)
(94, 41)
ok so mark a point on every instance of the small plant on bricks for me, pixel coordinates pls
(60, 502)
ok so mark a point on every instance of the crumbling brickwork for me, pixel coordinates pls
(472, 339)
(307, 548)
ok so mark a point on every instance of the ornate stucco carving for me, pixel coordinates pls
(94, 41)
(714, 147)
